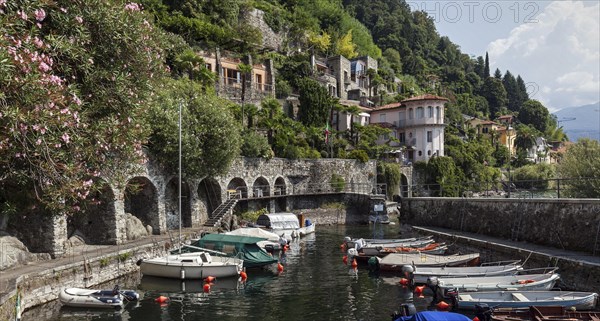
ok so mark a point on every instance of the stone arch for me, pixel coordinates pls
(237, 187)
(404, 188)
(141, 200)
(97, 222)
(172, 204)
(261, 187)
(279, 188)
(209, 193)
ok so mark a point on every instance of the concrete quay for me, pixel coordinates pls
(579, 271)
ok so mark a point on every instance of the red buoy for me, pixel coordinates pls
(161, 299)
(209, 279)
(404, 281)
(442, 305)
(419, 290)
(475, 319)
(243, 275)
(206, 288)
(345, 259)
(354, 264)
(279, 267)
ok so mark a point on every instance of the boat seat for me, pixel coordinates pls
(465, 297)
(519, 297)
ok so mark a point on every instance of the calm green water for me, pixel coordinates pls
(315, 285)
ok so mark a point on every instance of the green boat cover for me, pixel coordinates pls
(233, 245)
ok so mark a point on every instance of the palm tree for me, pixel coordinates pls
(245, 70)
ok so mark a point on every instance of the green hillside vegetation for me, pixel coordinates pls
(87, 89)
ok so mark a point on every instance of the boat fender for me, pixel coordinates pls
(139, 262)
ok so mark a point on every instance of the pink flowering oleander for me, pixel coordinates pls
(79, 19)
(2, 3)
(132, 6)
(40, 14)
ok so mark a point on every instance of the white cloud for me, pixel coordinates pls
(560, 53)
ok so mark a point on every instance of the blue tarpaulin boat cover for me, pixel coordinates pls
(435, 316)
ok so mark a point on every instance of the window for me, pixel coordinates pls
(429, 136)
(420, 113)
(438, 113)
(208, 66)
(401, 137)
(420, 153)
(259, 79)
(430, 112)
(429, 153)
(382, 118)
(485, 130)
(410, 113)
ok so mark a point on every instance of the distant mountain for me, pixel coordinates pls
(586, 122)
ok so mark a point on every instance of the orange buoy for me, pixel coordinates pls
(475, 319)
(442, 305)
(419, 290)
(345, 259)
(209, 279)
(404, 281)
(243, 275)
(161, 299)
(206, 288)
(354, 264)
(279, 267)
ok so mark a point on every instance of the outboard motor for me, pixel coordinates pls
(483, 312)
(406, 310)
(408, 273)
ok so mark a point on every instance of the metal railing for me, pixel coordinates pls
(266, 191)
(549, 188)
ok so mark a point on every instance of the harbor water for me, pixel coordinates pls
(314, 285)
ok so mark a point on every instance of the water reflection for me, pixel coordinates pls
(314, 285)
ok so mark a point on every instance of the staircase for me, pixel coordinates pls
(219, 212)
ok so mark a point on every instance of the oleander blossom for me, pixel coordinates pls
(132, 6)
(79, 19)
(40, 14)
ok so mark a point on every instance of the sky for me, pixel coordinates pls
(553, 45)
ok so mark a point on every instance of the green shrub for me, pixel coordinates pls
(359, 154)
(252, 216)
(255, 145)
(337, 182)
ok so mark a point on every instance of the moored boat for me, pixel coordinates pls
(286, 224)
(522, 282)
(525, 299)
(422, 273)
(540, 313)
(245, 247)
(90, 298)
(434, 316)
(197, 265)
(395, 261)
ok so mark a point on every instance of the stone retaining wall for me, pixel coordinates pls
(569, 224)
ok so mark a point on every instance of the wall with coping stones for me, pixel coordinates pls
(570, 224)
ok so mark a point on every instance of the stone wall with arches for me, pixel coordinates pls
(152, 197)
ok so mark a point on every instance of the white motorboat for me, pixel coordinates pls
(525, 299)
(422, 273)
(395, 261)
(90, 298)
(195, 265)
(286, 224)
(272, 242)
(521, 282)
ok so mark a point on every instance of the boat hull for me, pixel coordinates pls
(523, 300)
(395, 261)
(534, 282)
(184, 266)
(85, 298)
(421, 274)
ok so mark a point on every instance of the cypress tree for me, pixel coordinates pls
(512, 93)
(486, 68)
(522, 95)
(498, 74)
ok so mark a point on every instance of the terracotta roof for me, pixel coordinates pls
(426, 97)
(388, 106)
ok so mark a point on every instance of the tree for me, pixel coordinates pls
(443, 172)
(486, 68)
(315, 103)
(73, 90)
(479, 67)
(526, 137)
(245, 70)
(535, 114)
(493, 91)
(581, 165)
(498, 74)
(522, 95)
(210, 134)
(345, 46)
(512, 92)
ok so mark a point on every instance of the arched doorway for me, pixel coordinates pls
(237, 188)
(261, 187)
(403, 185)
(209, 192)
(172, 204)
(279, 187)
(141, 200)
(96, 222)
